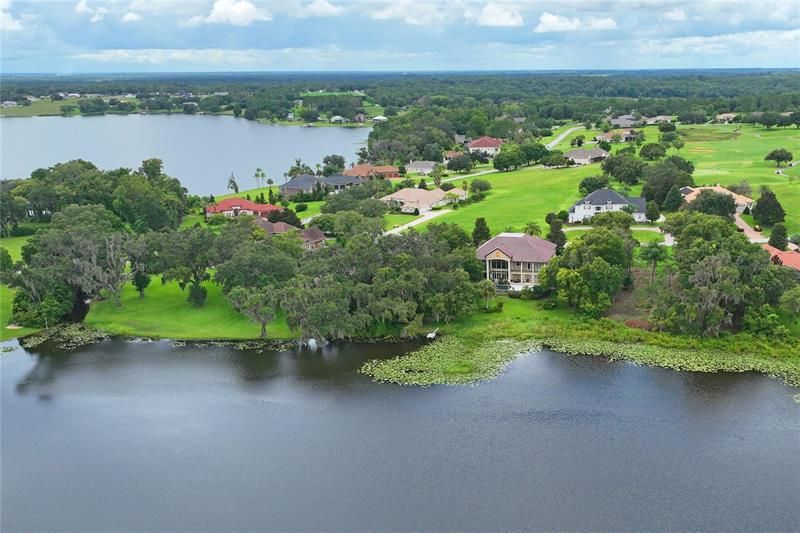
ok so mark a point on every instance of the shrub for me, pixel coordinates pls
(795, 239)
(299, 208)
(197, 294)
(217, 220)
(447, 186)
(550, 304)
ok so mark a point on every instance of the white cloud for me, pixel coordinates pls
(676, 14)
(321, 8)
(235, 12)
(496, 15)
(130, 16)
(7, 22)
(97, 14)
(411, 12)
(600, 23)
(548, 22)
(729, 43)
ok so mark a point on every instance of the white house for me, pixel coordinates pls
(604, 200)
(487, 145)
(379, 118)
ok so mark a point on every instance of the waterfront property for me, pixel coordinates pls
(742, 202)
(582, 156)
(416, 201)
(365, 171)
(487, 145)
(312, 237)
(604, 200)
(233, 207)
(421, 167)
(308, 183)
(515, 259)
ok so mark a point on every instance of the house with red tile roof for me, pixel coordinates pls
(742, 202)
(790, 259)
(233, 207)
(515, 259)
(487, 145)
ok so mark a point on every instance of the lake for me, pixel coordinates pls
(130, 436)
(201, 151)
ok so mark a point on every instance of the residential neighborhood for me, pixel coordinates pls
(584, 156)
(742, 202)
(417, 201)
(367, 170)
(234, 207)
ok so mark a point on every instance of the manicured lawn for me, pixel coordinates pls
(14, 246)
(39, 108)
(165, 313)
(6, 301)
(588, 135)
(392, 220)
(643, 236)
(520, 196)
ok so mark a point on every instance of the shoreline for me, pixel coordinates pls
(454, 359)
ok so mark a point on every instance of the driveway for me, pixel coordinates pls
(424, 218)
(751, 234)
(467, 176)
(561, 137)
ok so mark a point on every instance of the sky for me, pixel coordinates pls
(83, 36)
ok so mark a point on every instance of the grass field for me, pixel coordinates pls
(521, 196)
(392, 220)
(14, 246)
(643, 236)
(165, 313)
(45, 107)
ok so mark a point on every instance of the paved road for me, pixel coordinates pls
(779, 171)
(467, 176)
(561, 137)
(424, 218)
(309, 219)
(749, 232)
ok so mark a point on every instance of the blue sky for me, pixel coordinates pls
(250, 35)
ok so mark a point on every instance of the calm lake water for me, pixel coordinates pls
(201, 151)
(132, 437)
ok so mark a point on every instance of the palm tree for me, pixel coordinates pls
(533, 229)
(259, 177)
(654, 253)
(269, 183)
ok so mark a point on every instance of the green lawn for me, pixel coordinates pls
(391, 220)
(6, 300)
(165, 313)
(520, 196)
(39, 108)
(643, 236)
(14, 246)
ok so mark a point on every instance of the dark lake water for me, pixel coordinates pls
(201, 151)
(145, 437)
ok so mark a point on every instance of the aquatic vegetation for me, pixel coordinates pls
(449, 361)
(65, 337)
(691, 360)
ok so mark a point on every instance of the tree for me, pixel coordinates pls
(673, 201)
(623, 168)
(653, 253)
(651, 211)
(436, 175)
(778, 238)
(186, 256)
(678, 144)
(332, 164)
(767, 209)
(480, 233)
(590, 184)
(460, 163)
(714, 203)
(259, 176)
(487, 291)
(779, 155)
(232, 185)
(259, 304)
(652, 151)
(479, 185)
(533, 229)
(556, 235)
(790, 302)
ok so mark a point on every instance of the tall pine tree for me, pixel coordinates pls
(673, 200)
(778, 238)
(481, 233)
(768, 209)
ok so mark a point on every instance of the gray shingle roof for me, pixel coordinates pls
(339, 179)
(583, 153)
(609, 196)
(303, 181)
